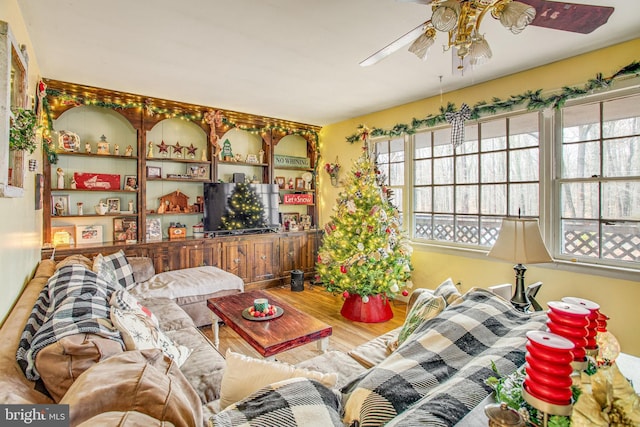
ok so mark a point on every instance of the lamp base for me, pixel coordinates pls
(519, 299)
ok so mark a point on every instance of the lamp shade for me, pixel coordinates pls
(520, 242)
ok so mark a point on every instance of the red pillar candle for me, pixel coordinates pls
(592, 327)
(548, 367)
(570, 321)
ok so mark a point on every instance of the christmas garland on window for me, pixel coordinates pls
(533, 100)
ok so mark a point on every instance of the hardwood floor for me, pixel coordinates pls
(324, 306)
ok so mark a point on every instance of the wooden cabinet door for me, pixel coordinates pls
(235, 259)
(309, 251)
(290, 254)
(202, 253)
(264, 262)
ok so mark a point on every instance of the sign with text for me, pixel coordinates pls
(291, 161)
(298, 199)
(34, 415)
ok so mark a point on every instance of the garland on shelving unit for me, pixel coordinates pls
(534, 100)
(152, 110)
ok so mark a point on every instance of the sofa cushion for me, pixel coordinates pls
(244, 375)
(334, 362)
(204, 366)
(447, 358)
(139, 333)
(142, 267)
(289, 403)
(170, 316)
(119, 262)
(62, 362)
(143, 381)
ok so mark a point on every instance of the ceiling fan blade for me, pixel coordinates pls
(577, 18)
(394, 45)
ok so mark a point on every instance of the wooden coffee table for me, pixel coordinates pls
(269, 337)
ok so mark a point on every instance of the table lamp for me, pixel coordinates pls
(520, 242)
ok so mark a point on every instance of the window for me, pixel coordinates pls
(461, 195)
(389, 156)
(599, 181)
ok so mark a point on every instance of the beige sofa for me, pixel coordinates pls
(147, 388)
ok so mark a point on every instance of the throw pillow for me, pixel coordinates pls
(448, 291)
(142, 381)
(124, 271)
(425, 308)
(124, 301)
(139, 333)
(289, 403)
(105, 271)
(244, 375)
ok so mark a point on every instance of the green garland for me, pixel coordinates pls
(151, 109)
(533, 100)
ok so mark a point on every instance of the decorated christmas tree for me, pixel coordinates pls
(364, 251)
(244, 209)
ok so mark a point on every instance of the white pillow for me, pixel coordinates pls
(139, 333)
(123, 300)
(244, 375)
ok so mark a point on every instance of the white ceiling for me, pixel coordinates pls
(290, 59)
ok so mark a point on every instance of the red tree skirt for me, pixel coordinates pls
(377, 310)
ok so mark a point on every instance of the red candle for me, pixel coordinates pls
(592, 327)
(570, 321)
(548, 368)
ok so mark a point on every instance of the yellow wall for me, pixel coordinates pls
(618, 298)
(20, 223)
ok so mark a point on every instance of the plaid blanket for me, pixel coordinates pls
(74, 300)
(289, 403)
(437, 375)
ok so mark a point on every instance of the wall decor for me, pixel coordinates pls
(113, 205)
(125, 230)
(88, 234)
(39, 191)
(154, 230)
(130, 182)
(96, 181)
(281, 181)
(154, 172)
(60, 204)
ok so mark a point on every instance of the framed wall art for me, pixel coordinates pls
(88, 234)
(60, 204)
(154, 172)
(125, 230)
(113, 205)
(130, 182)
(281, 181)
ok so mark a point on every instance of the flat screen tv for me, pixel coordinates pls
(216, 196)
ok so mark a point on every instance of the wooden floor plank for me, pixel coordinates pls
(317, 302)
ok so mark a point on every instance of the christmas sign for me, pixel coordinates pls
(298, 199)
(291, 161)
(96, 181)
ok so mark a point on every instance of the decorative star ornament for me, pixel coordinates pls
(162, 147)
(178, 148)
(191, 150)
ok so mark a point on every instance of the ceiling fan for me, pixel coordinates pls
(461, 19)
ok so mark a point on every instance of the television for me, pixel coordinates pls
(216, 197)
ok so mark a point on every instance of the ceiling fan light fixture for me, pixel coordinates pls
(420, 47)
(445, 15)
(479, 51)
(515, 16)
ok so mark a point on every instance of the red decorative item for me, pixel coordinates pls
(592, 327)
(405, 293)
(96, 181)
(297, 199)
(547, 384)
(345, 294)
(343, 269)
(377, 310)
(570, 321)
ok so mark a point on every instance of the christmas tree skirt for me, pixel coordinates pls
(376, 310)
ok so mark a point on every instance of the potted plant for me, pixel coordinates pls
(22, 134)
